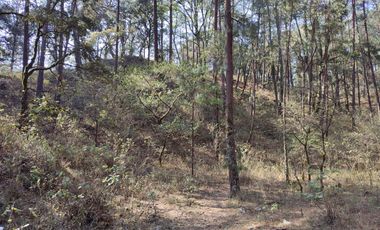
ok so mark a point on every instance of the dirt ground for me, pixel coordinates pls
(267, 205)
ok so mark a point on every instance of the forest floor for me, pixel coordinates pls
(210, 208)
(265, 206)
(165, 196)
(268, 203)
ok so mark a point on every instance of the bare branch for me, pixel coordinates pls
(52, 65)
(170, 108)
(12, 13)
(149, 109)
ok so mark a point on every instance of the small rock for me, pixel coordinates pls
(285, 222)
(259, 209)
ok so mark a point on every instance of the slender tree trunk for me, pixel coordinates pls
(14, 50)
(324, 116)
(253, 103)
(370, 59)
(155, 31)
(149, 42)
(25, 76)
(365, 74)
(273, 69)
(193, 134)
(311, 67)
(353, 61)
(215, 73)
(171, 31)
(117, 36)
(337, 91)
(77, 44)
(231, 148)
(60, 57)
(41, 61)
(25, 54)
(286, 83)
(187, 41)
(280, 59)
(162, 55)
(347, 102)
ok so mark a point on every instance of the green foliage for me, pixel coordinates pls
(43, 115)
(242, 152)
(314, 192)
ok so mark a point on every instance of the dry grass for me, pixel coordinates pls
(61, 180)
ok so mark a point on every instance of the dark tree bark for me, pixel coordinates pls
(25, 54)
(346, 96)
(353, 61)
(311, 63)
(273, 68)
(280, 59)
(193, 134)
(14, 48)
(370, 59)
(117, 36)
(162, 55)
(155, 32)
(171, 31)
(231, 148)
(41, 61)
(60, 66)
(215, 73)
(324, 117)
(365, 75)
(77, 44)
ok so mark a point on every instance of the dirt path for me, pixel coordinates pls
(210, 208)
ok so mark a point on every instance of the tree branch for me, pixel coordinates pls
(12, 13)
(52, 65)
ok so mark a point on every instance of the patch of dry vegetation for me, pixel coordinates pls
(99, 161)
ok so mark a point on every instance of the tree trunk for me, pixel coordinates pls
(346, 96)
(353, 61)
(215, 73)
(280, 61)
(14, 49)
(273, 69)
(171, 31)
(41, 61)
(155, 31)
(60, 57)
(77, 45)
(117, 37)
(324, 116)
(162, 56)
(25, 58)
(25, 54)
(193, 134)
(370, 59)
(231, 148)
(365, 74)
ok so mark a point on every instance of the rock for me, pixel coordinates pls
(242, 210)
(285, 222)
